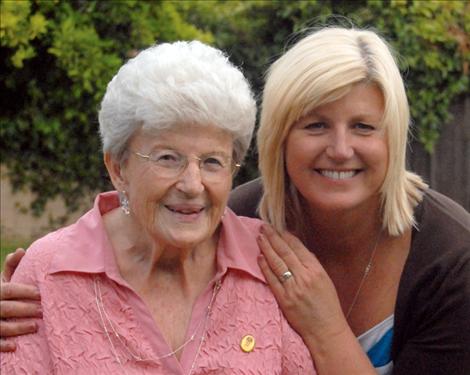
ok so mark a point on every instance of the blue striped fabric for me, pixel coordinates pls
(380, 353)
(377, 343)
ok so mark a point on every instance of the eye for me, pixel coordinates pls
(364, 128)
(315, 125)
(214, 163)
(166, 158)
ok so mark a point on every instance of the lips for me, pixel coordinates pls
(338, 175)
(185, 209)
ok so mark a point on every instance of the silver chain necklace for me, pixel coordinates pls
(107, 322)
(364, 276)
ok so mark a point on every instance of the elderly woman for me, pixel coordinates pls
(159, 277)
(388, 272)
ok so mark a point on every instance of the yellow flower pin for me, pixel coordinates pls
(247, 343)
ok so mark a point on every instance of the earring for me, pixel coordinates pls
(124, 201)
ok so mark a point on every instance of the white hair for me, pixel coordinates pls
(175, 84)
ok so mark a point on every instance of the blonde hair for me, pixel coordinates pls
(319, 69)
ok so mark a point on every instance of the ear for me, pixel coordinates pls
(116, 172)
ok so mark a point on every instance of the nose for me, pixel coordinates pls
(340, 147)
(190, 180)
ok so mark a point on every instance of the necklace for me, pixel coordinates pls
(365, 274)
(106, 322)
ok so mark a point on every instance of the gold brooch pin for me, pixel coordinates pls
(247, 343)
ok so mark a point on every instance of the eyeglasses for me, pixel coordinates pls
(170, 164)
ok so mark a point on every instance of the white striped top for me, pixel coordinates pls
(377, 343)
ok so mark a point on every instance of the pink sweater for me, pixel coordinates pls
(83, 292)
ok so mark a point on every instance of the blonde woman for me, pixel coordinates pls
(380, 281)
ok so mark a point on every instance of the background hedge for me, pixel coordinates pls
(57, 57)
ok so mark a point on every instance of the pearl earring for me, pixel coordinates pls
(224, 213)
(124, 201)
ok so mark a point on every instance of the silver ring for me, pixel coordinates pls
(285, 276)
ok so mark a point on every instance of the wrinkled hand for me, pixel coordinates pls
(308, 299)
(12, 307)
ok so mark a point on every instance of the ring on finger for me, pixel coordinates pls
(285, 276)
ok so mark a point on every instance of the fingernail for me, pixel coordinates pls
(8, 346)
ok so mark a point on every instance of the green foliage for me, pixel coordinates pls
(253, 33)
(433, 39)
(18, 28)
(59, 55)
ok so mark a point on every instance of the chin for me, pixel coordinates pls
(334, 202)
(183, 235)
(342, 203)
(184, 240)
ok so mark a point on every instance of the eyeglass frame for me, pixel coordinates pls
(233, 165)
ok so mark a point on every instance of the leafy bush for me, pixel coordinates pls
(58, 56)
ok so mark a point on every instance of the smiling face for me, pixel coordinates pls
(182, 210)
(337, 155)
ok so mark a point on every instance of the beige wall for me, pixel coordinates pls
(17, 224)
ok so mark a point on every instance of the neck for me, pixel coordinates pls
(343, 235)
(145, 263)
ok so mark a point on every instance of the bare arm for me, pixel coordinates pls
(16, 301)
(311, 305)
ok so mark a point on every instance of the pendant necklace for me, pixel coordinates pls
(108, 326)
(364, 275)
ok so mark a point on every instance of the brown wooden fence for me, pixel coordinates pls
(447, 170)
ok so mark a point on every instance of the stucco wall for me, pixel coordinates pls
(18, 225)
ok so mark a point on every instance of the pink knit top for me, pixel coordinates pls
(94, 322)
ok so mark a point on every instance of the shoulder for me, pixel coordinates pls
(63, 246)
(442, 232)
(441, 239)
(37, 258)
(246, 224)
(438, 211)
(238, 246)
(434, 292)
(244, 199)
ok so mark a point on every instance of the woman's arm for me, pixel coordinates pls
(16, 301)
(311, 305)
(433, 315)
(32, 355)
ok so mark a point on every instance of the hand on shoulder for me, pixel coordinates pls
(16, 301)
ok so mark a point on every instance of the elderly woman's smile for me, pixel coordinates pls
(178, 181)
(188, 211)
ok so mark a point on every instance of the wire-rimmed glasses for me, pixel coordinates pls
(170, 164)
